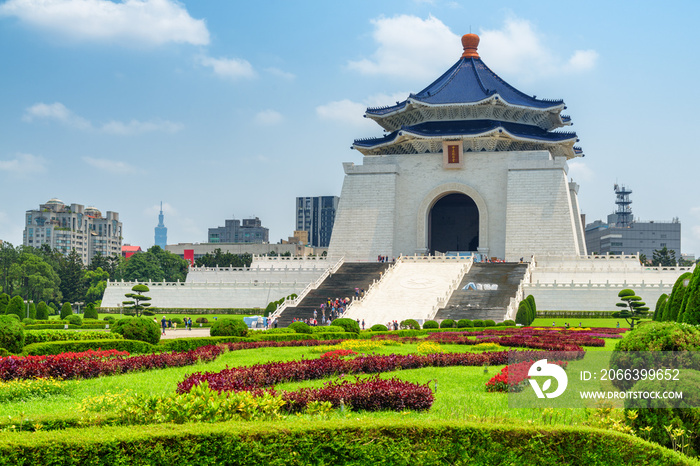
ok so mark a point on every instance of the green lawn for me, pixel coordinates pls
(460, 391)
(573, 322)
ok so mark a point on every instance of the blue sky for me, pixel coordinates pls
(221, 108)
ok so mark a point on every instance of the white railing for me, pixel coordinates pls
(514, 302)
(454, 284)
(311, 286)
(375, 283)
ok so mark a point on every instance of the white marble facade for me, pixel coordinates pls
(526, 205)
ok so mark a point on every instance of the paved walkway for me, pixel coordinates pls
(182, 333)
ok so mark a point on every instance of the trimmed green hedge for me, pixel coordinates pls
(44, 336)
(58, 347)
(350, 442)
(61, 325)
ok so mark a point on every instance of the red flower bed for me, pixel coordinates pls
(267, 375)
(337, 354)
(96, 354)
(88, 367)
(512, 377)
(374, 394)
(551, 340)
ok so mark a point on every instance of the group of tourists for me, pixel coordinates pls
(384, 259)
(334, 307)
(166, 323)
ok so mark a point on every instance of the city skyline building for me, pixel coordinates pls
(623, 235)
(161, 231)
(65, 228)
(250, 230)
(316, 216)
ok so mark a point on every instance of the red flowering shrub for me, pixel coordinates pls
(512, 377)
(337, 354)
(374, 394)
(267, 375)
(540, 338)
(91, 366)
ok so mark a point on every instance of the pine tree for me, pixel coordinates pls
(635, 308)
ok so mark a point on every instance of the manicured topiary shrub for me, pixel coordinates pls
(410, 323)
(522, 317)
(16, 307)
(14, 317)
(202, 320)
(349, 325)
(176, 320)
(509, 323)
(300, 327)
(464, 323)
(28, 321)
(659, 309)
(379, 328)
(66, 310)
(137, 328)
(327, 329)
(148, 313)
(690, 309)
(533, 308)
(675, 299)
(430, 324)
(42, 311)
(447, 323)
(110, 319)
(489, 323)
(478, 323)
(228, 328)
(75, 319)
(11, 334)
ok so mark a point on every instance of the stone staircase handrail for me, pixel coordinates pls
(372, 285)
(520, 294)
(442, 301)
(311, 286)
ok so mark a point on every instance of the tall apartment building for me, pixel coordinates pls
(316, 215)
(71, 227)
(250, 231)
(623, 235)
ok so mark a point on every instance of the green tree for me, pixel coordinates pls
(664, 257)
(675, 300)
(71, 271)
(659, 309)
(42, 311)
(16, 307)
(32, 310)
(174, 267)
(66, 311)
(136, 305)
(643, 259)
(635, 308)
(533, 308)
(220, 259)
(109, 264)
(96, 282)
(142, 267)
(4, 301)
(34, 278)
(8, 256)
(690, 309)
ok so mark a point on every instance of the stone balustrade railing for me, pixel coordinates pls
(311, 286)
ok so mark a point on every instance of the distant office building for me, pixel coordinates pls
(251, 231)
(76, 227)
(161, 237)
(622, 235)
(316, 215)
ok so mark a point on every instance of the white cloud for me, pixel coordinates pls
(24, 165)
(279, 73)
(55, 111)
(111, 166)
(233, 68)
(695, 211)
(518, 48)
(140, 127)
(268, 117)
(579, 171)
(349, 112)
(410, 46)
(60, 113)
(152, 22)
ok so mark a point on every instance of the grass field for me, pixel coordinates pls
(460, 391)
(573, 322)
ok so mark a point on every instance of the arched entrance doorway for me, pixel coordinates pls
(453, 224)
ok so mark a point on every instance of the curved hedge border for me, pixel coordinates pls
(349, 442)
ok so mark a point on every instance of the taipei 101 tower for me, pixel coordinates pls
(161, 238)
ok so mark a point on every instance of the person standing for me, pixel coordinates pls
(163, 324)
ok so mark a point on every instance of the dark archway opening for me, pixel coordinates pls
(454, 224)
